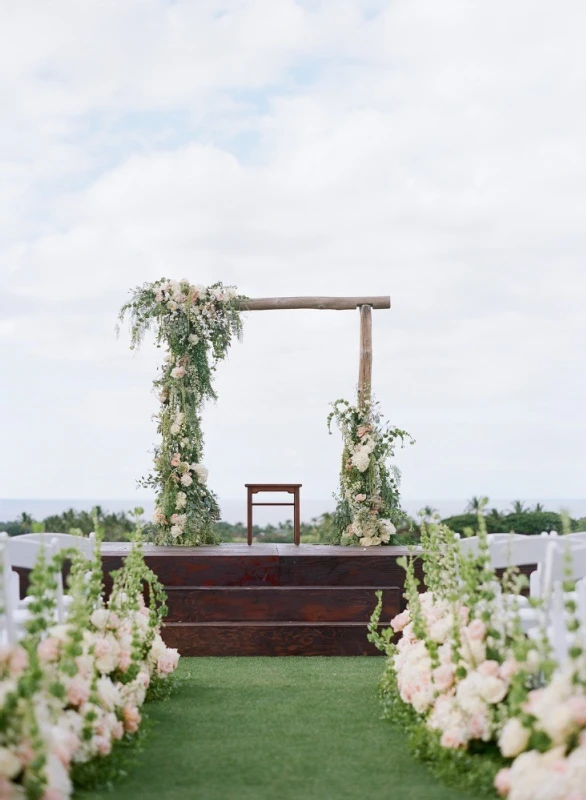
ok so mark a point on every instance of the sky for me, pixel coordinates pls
(431, 151)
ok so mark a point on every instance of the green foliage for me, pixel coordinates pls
(104, 771)
(196, 324)
(368, 504)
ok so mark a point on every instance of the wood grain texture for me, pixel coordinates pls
(320, 303)
(274, 639)
(279, 604)
(365, 366)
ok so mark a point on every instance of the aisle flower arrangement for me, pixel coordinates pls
(485, 705)
(196, 325)
(71, 694)
(368, 512)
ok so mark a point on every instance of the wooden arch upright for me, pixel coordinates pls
(365, 304)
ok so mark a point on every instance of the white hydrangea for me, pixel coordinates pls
(361, 459)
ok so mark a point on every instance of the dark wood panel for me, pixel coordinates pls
(183, 569)
(308, 604)
(276, 639)
(344, 570)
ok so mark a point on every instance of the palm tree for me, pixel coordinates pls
(476, 505)
(26, 522)
(539, 507)
(519, 507)
(427, 512)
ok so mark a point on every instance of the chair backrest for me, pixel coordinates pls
(518, 551)
(64, 541)
(564, 554)
(469, 545)
(7, 626)
(23, 552)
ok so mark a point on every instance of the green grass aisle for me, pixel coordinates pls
(276, 729)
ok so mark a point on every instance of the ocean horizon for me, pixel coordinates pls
(234, 509)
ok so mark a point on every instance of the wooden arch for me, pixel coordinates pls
(365, 304)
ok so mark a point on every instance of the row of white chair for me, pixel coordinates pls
(557, 559)
(22, 552)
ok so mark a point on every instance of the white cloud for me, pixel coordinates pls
(433, 152)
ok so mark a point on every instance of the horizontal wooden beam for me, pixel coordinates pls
(322, 303)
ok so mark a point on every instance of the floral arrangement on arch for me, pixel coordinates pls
(71, 694)
(368, 511)
(482, 698)
(196, 325)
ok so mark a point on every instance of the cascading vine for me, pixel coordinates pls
(196, 324)
(368, 511)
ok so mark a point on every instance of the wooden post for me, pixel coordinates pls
(365, 370)
(320, 303)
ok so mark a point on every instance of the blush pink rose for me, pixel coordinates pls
(48, 649)
(489, 668)
(103, 745)
(399, 622)
(502, 782)
(144, 678)
(18, 660)
(125, 660)
(360, 498)
(577, 708)
(167, 663)
(476, 630)
(477, 726)
(508, 669)
(443, 677)
(78, 692)
(117, 730)
(131, 717)
(176, 460)
(452, 739)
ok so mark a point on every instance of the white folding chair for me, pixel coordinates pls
(565, 561)
(23, 554)
(7, 621)
(60, 542)
(65, 541)
(469, 544)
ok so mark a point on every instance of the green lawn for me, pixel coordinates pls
(275, 729)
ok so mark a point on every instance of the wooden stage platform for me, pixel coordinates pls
(271, 599)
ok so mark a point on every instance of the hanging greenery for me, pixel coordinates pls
(368, 511)
(196, 325)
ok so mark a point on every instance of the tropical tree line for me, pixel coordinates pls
(118, 527)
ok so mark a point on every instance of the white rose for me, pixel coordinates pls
(99, 618)
(193, 339)
(361, 460)
(108, 693)
(440, 630)
(559, 724)
(514, 738)
(176, 531)
(57, 776)
(493, 690)
(10, 765)
(181, 500)
(200, 471)
(172, 305)
(175, 429)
